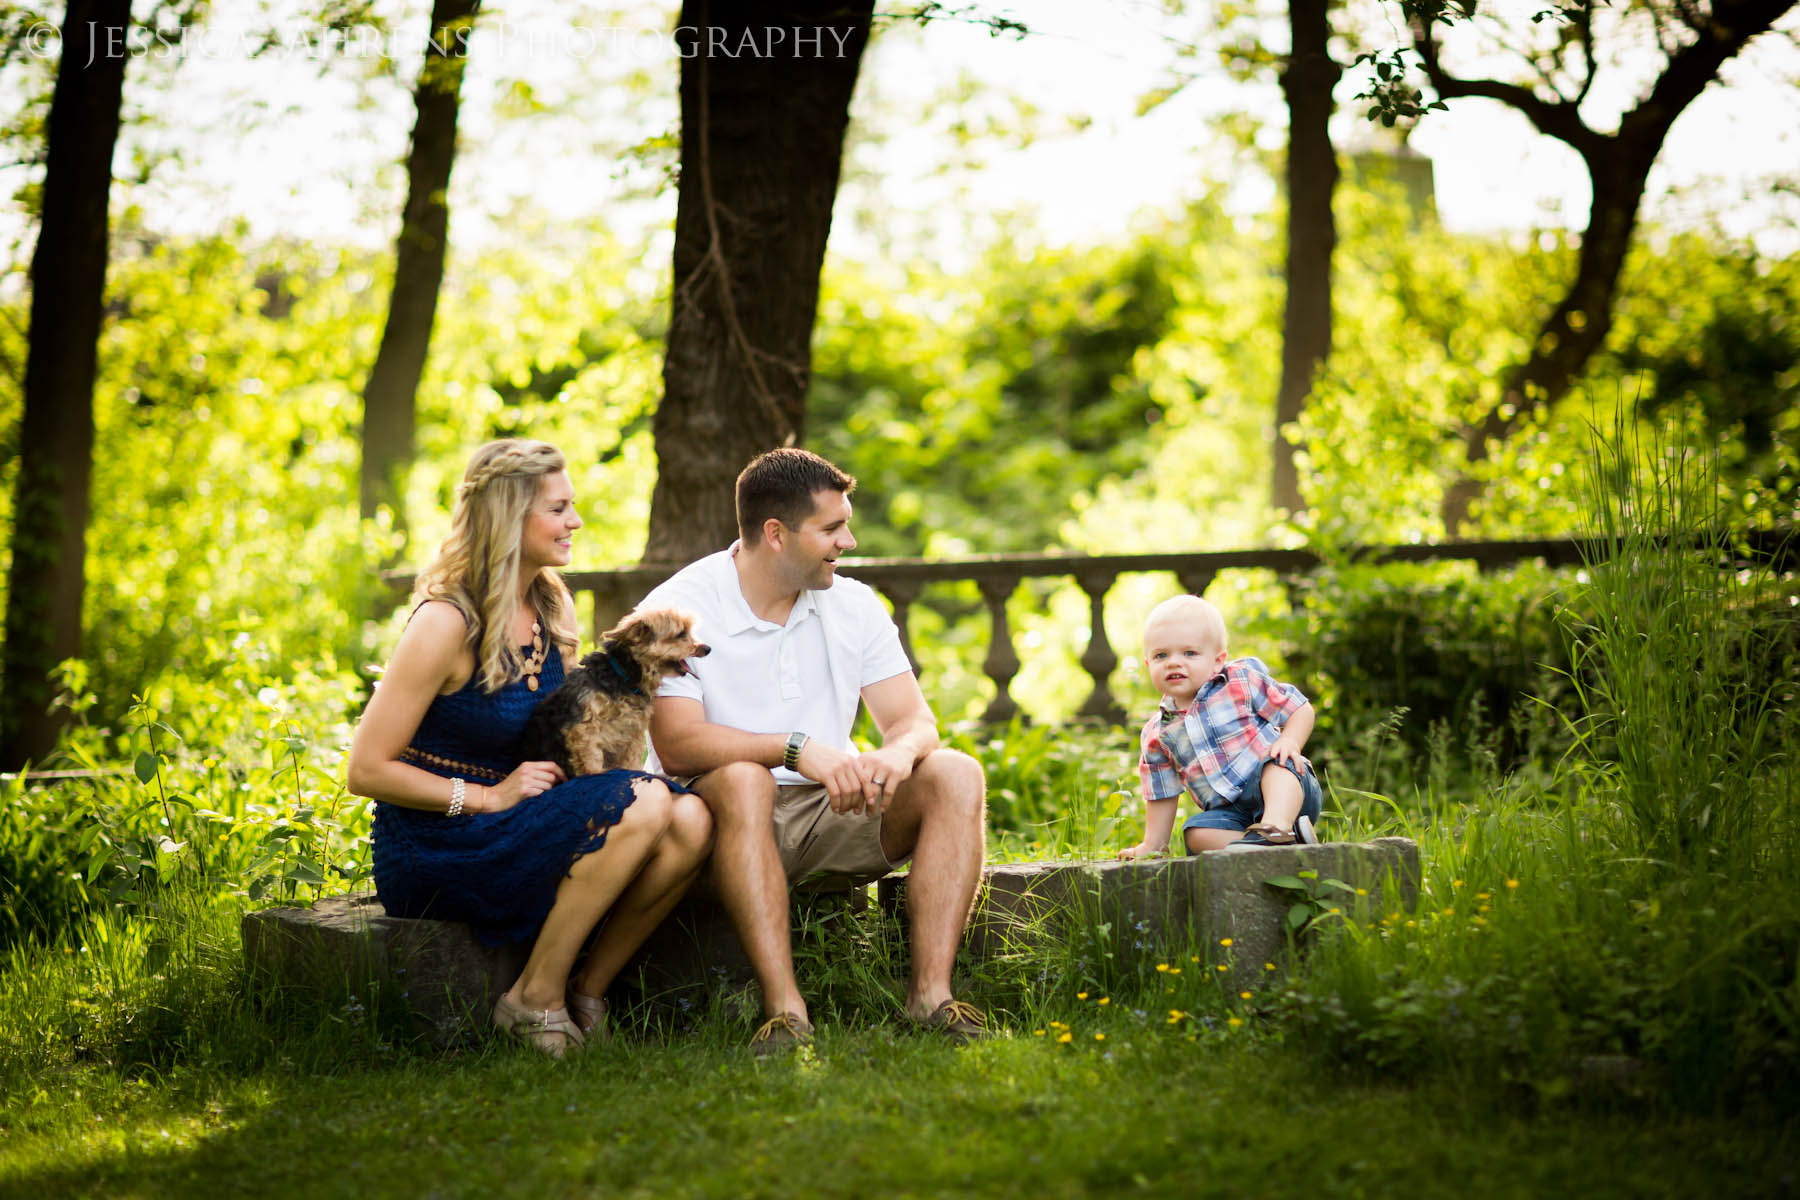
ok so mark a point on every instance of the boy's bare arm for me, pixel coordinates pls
(1159, 820)
(1293, 737)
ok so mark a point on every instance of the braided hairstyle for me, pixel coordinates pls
(477, 567)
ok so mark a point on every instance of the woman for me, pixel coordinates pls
(463, 830)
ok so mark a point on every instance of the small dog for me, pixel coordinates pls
(597, 720)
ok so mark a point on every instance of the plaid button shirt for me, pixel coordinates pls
(1220, 742)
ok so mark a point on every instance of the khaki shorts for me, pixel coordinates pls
(822, 850)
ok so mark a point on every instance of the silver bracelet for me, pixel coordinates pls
(458, 788)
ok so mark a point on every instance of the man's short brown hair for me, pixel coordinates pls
(781, 484)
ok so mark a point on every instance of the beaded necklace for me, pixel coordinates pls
(533, 665)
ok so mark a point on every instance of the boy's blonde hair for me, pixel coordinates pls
(1190, 608)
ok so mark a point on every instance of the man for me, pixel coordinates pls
(761, 730)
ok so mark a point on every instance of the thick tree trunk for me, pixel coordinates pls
(388, 398)
(1312, 176)
(762, 124)
(1575, 329)
(56, 436)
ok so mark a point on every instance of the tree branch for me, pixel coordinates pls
(1720, 35)
(1560, 120)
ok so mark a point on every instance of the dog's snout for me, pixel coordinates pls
(701, 651)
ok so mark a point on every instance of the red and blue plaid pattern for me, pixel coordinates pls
(1222, 739)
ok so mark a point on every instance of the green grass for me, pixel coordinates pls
(874, 1111)
(1598, 992)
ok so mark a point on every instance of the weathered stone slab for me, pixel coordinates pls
(1237, 904)
(451, 981)
(448, 978)
(1145, 906)
(1123, 909)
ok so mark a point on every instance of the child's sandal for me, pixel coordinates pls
(1270, 835)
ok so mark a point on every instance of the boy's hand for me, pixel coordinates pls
(1286, 750)
(1141, 850)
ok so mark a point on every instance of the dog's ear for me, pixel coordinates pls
(634, 630)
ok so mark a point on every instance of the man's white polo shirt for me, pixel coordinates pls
(806, 675)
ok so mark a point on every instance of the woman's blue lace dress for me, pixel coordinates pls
(497, 872)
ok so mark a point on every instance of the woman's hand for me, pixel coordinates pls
(528, 779)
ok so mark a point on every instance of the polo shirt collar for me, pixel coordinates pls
(738, 615)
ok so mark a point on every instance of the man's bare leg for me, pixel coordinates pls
(939, 816)
(747, 874)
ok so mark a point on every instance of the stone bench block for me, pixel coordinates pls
(1237, 904)
(449, 979)
(1128, 910)
(1150, 906)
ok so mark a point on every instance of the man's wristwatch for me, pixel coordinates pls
(791, 757)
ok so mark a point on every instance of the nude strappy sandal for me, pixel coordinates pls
(548, 1030)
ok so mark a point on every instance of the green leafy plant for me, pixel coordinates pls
(1314, 899)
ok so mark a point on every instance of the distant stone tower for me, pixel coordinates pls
(1386, 158)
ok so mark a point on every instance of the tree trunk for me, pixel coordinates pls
(388, 398)
(1312, 175)
(56, 435)
(1573, 331)
(1618, 165)
(762, 141)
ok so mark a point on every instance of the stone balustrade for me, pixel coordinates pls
(997, 576)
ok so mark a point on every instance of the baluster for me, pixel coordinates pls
(1002, 661)
(1196, 582)
(1098, 660)
(610, 605)
(901, 593)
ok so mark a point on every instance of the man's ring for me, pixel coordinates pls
(879, 782)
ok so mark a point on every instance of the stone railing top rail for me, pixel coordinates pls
(616, 589)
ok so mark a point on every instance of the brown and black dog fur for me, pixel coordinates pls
(597, 720)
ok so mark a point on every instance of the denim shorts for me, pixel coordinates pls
(1247, 809)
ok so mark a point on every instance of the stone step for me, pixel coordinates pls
(1142, 908)
(1128, 909)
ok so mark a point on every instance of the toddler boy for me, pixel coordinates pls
(1228, 734)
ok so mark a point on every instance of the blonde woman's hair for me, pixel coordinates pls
(477, 567)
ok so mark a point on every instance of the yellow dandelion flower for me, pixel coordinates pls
(1174, 970)
(1412, 925)
(1512, 883)
(1037, 1033)
(1220, 967)
(1104, 1000)
(1485, 908)
(1099, 1037)
(1193, 958)
(1481, 920)
(1224, 941)
(1243, 995)
(1081, 995)
(1484, 895)
(1449, 912)
(1456, 883)
(1162, 966)
(1169, 991)
(1268, 966)
(1175, 1014)
(1065, 1037)
(1362, 891)
(1234, 1022)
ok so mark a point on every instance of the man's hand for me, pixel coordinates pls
(883, 771)
(856, 783)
